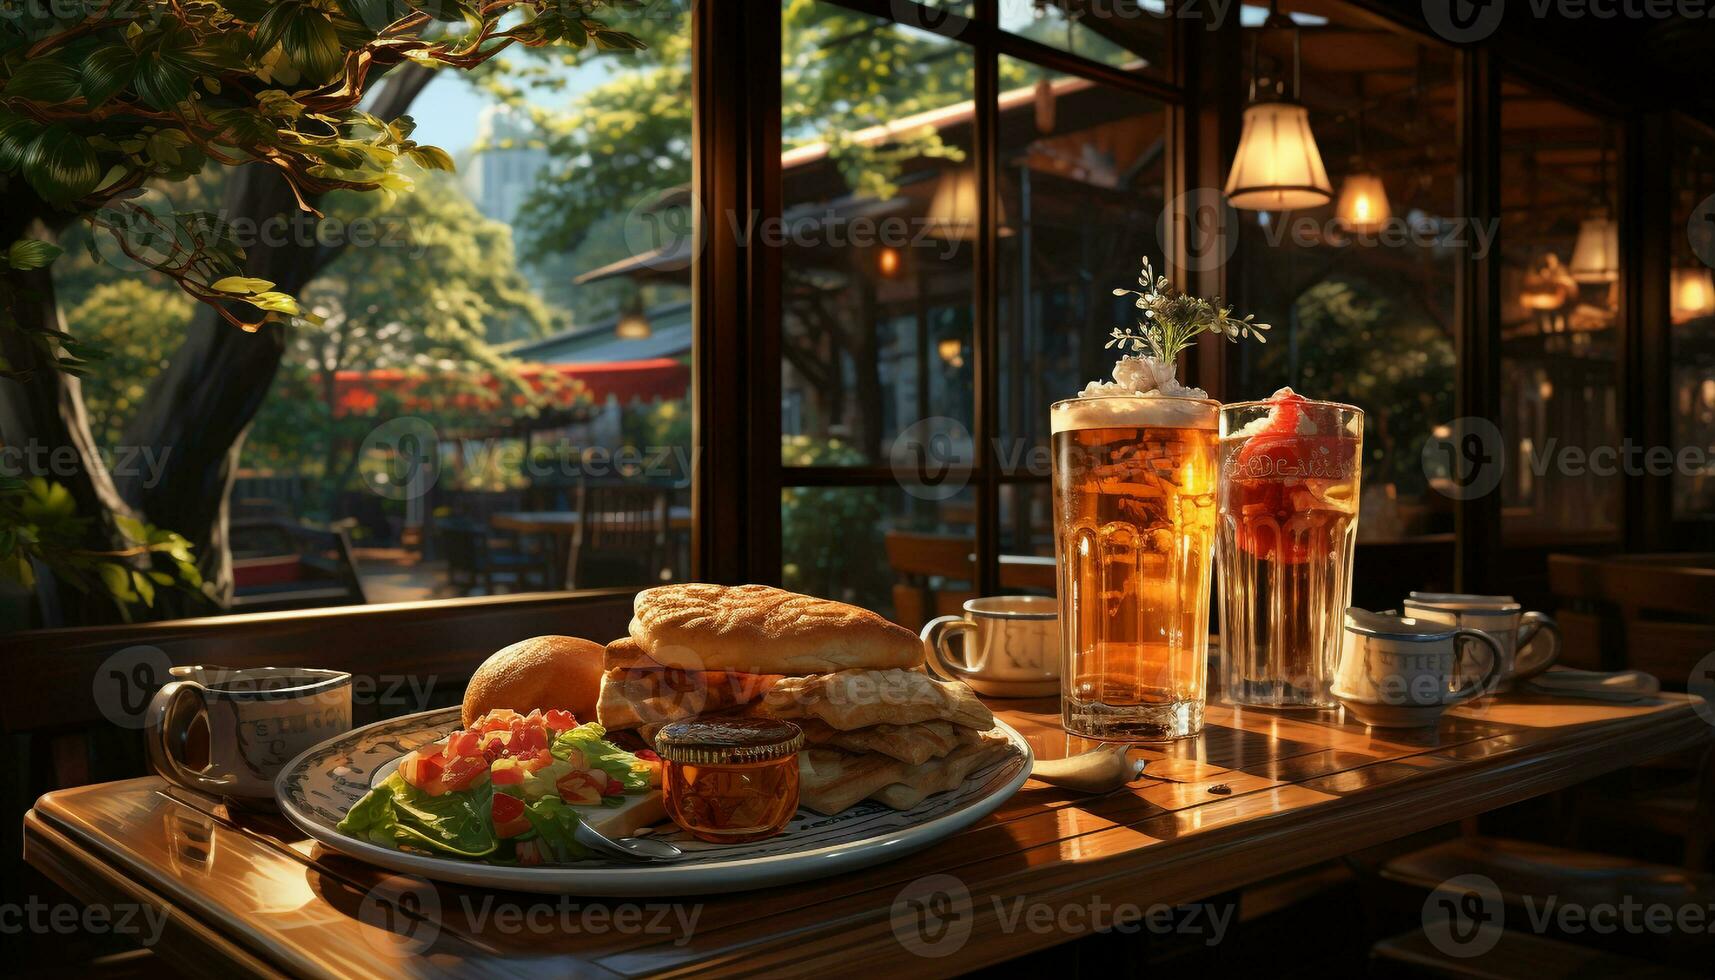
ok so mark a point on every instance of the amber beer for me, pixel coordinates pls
(1134, 512)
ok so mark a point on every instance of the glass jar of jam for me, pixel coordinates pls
(731, 780)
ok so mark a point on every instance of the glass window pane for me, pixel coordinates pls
(1082, 169)
(1692, 308)
(494, 349)
(1135, 35)
(879, 211)
(1361, 297)
(1560, 320)
(904, 556)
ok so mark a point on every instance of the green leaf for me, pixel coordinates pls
(432, 158)
(133, 529)
(117, 580)
(106, 71)
(16, 134)
(44, 80)
(312, 44)
(160, 82)
(272, 27)
(241, 284)
(60, 165)
(617, 41)
(144, 587)
(28, 253)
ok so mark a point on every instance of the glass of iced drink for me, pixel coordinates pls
(1134, 512)
(1289, 479)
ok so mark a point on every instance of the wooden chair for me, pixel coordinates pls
(621, 536)
(935, 572)
(278, 565)
(1655, 613)
(477, 555)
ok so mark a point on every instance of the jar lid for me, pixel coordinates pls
(714, 742)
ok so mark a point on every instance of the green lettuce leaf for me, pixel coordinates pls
(554, 823)
(396, 813)
(586, 741)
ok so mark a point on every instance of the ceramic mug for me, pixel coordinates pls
(1011, 646)
(1501, 617)
(1401, 672)
(255, 721)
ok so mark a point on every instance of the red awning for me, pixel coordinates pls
(565, 385)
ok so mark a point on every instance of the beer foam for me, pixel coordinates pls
(1132, 411)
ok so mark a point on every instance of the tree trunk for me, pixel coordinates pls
(199, 409)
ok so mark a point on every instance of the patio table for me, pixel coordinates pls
(560, 525)
(1256, 795)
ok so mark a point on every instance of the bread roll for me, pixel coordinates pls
(541, 672)
(762, 630)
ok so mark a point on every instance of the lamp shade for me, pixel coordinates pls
(1363, 203)
(1278, 167)
(1693, 294)
(953, 207)
(633, 325)
(1596, 257)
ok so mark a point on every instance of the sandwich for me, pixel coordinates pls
(876, 726)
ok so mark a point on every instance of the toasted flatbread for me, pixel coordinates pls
(910, 744)
(831, 780)
(852, 699)
(763, 630)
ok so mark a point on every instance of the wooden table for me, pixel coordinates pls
(246, 892)
(561, 525)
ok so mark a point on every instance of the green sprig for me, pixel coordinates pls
(1172, 320)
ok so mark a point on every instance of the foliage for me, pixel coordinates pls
(137, 323)
(1172, 320)
(831, 537)
(39, 524)
(1390, 358)
(97, 100)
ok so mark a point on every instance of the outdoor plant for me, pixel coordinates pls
(101, 97)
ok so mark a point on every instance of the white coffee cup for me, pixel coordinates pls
(1400, 672)
(1011, 646)
(1500, 616)
(257, 720)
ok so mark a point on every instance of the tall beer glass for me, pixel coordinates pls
(1134, 514)
(1290, 472)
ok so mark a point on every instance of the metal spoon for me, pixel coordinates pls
(630, 848)
(1099, 770)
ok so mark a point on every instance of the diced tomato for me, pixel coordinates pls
(647, 755)
(527, 739)
(535, 761)
(581, 787)
(464, 743)
(506, 772)
(463, 772)
(560, 720)
(529, 853)
(508, 814)
(424, 771)
(614, 787)
(499, 719)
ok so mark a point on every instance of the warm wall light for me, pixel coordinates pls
(633, 324)
(887, 262)
(1596, 257)
(952, 350)
(1693, 294)
(1278, 166)
(1363, 203)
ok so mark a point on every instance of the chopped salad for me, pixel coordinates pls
(506, 790)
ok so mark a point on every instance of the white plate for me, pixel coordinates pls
(315, 790)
